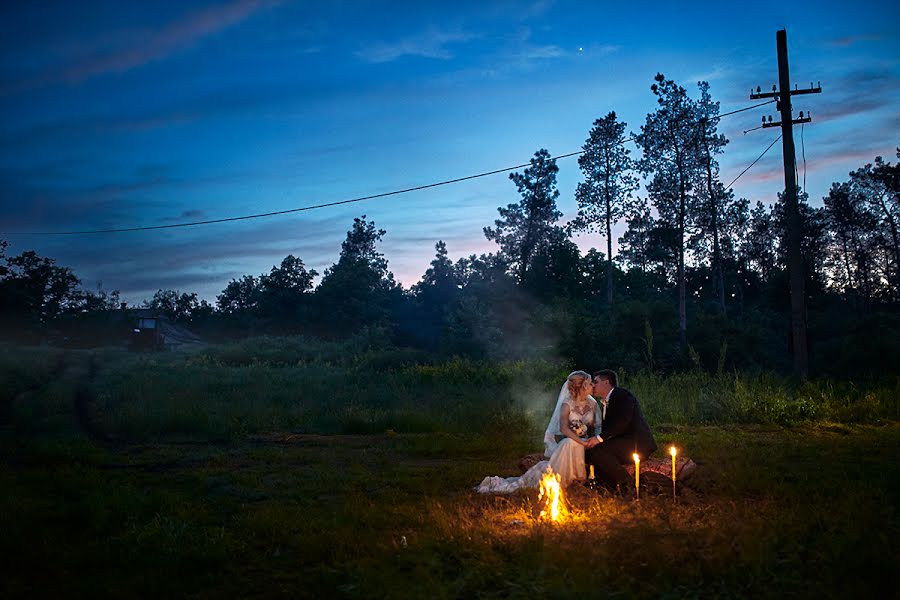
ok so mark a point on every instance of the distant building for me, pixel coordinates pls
(153, 330)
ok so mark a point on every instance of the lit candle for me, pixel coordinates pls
(637, 475)
(673, 452)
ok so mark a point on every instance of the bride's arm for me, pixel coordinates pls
(564, 425)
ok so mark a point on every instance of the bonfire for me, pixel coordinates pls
(551, 495)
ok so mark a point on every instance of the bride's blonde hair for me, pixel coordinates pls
(575, 381)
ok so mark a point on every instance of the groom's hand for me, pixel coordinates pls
(592, 442)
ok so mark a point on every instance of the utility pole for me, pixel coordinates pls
(791, 202)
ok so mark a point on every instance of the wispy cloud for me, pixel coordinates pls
(432, 43)
(187, 215)
(850, 40)
(199, 260)
(140, 48)
(522, 53)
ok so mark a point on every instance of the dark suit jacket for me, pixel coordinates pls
(624, 419)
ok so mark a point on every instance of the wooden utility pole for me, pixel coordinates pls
(791, 203)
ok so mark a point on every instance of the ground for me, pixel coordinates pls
(808, 510)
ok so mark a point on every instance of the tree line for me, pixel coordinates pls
(699, 279)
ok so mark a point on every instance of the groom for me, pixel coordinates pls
(624, 432)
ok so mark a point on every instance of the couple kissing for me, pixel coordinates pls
(596, 423)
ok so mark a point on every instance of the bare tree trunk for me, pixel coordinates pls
(682, 285)
(609, 267)
(893, 225)
(850, 289)
(714, 215)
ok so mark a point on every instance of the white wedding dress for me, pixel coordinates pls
(566, 457)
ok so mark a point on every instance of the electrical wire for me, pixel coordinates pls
(753, 163)
(290, 210)
(328, 204)
(745, 108)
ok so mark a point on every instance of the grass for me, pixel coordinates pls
(288, 384)
(773, 511)
(274, 469)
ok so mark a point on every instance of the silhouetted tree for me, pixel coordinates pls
(240, 296)
(712, 204)
(879, 187)
(555, 269)
(608, 183)
(634, 243)
(37, 290)
(854, 245)
(284, 292)
(356, 291)
(759, 241)
(177, 306)
(526, 225)
(441, 282)
(668, 139)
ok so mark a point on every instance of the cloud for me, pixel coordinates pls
(141, 48)
(522, 54)
(429, 44)
(27, 203)
(188, 215)
(850, 40)
(222, 103)
(199, 260)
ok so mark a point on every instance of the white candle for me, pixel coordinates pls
(637, 475)
(672, 451)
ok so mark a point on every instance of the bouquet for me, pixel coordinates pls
(579, 428)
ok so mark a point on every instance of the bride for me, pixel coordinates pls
(577, 411)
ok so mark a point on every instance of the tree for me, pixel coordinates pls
(879, 187)
(607, 186)
(99, 301)
(356, 291)
(239, 296)
(284, 291)
(669, 142)
(711, 207)
(526, 225)
(634, 243)
(36, 290)
(177, 306)
(854, 232)
(760, 239)
(440, 281)
(3, 268)
(435, 292)
(555, 270)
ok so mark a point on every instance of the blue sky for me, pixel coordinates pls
(128, 114)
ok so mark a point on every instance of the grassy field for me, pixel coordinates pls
(215, 475)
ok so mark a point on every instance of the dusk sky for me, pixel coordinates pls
(122, 114)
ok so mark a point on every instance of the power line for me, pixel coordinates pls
(328, 204)
(753, 163)
(290, 210)
(745, 108)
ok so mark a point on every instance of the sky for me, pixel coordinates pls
(130, 114)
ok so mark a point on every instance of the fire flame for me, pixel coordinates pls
(551, 495)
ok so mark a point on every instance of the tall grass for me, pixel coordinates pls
(357, 386)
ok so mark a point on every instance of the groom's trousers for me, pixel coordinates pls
(608, 458)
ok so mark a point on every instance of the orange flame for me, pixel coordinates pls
(551, 495)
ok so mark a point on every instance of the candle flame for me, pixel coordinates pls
(551, 495)
(636, 457)
(672, 451)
